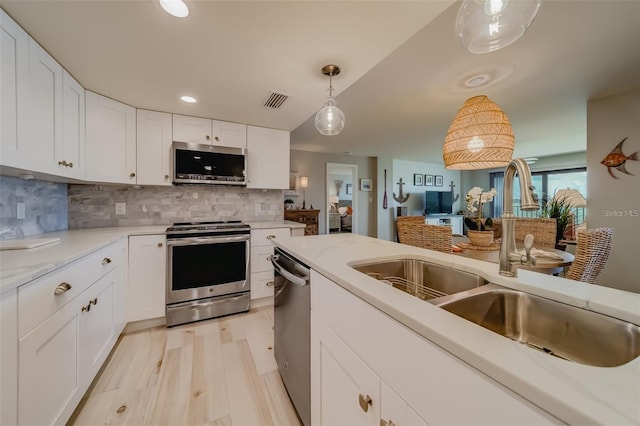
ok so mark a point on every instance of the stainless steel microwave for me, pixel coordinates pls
(208, 164)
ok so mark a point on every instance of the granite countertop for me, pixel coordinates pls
(574, 393)
(18, 267)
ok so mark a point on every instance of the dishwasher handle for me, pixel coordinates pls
(299, 281)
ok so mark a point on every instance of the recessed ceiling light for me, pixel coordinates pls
(188, 99)
(477, 80)
(177, 8)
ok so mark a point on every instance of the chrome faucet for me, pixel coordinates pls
(509, 256)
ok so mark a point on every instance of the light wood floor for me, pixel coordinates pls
(216, 372)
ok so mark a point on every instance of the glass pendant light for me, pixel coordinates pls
(484, 26)
(330, 119)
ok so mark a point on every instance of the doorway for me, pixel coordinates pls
(341, 198)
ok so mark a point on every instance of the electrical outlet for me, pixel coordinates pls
(20, 211)
(121, 208)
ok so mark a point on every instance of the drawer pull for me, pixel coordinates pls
(70, 165)
(159, 244)
(106, 261)
(132, 175)
(270, 237)
(269, 283)
(62, 163)
(86, 308)
(365, 402)
(61, 288)
(383, 422)
(93, 301)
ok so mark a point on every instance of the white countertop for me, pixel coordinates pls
(18, 267)
(574, 393)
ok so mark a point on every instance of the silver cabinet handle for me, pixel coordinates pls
(62, 163)
(70, 165)
(166, 176)
(106, 261)
(61, 288)
(160, 244)
(386, 423)
(86, 308)
(269, 283)
(93, 301)
(365, 402)
(208, 137)
(270, 237)
(132, 175)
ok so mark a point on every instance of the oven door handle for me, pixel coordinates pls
(299, 281)
(206, 240)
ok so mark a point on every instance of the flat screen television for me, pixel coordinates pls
(438, 202)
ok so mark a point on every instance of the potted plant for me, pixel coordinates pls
(480, 231)
(560, 210)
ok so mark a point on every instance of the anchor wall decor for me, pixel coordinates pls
(455, 197)
(400, 198)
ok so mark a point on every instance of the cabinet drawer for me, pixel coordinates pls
(261, 285)
(260, 259)
(259, 236)
(37, 300)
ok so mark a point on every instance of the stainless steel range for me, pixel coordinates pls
(208, 270)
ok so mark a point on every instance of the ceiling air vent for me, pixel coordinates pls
(274, 100)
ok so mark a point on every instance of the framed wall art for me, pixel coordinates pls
(438, 180)
(428, 180)
(418, 180)
(365, 184)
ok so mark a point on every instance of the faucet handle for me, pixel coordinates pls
(528, 245)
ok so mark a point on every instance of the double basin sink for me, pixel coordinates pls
(556, 328)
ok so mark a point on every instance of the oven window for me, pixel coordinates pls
(208, 264)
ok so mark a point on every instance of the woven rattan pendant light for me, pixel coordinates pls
(480, 137)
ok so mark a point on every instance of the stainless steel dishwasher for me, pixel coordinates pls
(292, 310)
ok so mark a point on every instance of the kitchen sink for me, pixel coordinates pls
(424, 280)
(562, 330)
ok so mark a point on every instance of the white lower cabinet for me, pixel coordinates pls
(146, 286)
(60, 354)
(260, 262)
(367, 368)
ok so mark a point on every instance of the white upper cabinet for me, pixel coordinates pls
(41, 128)
(110, 141)
(153, 147)
(267, 158)
(229, 134)
(14, 53)
(69, 150)
(192, 129)
(42, 108)
(204, 131)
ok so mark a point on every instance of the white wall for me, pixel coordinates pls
(613, 202)
(313, 165)
(406, 170)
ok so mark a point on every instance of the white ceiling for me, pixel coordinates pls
(402, 68)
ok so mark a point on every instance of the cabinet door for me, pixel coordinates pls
(14, 55)
(110, 140)
(96, 333)
(267, 158)
(153, 148)
(344, 391)
(191, 129)
(229, 134)
(147, 277)
(49, 386)
(394, 411)
(70, 149)
(41, 128)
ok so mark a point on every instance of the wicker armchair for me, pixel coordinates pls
(592, 252)
(543, 230)
(414, 232)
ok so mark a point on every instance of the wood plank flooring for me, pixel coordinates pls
(216, 372)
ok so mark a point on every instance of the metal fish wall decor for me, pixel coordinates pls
(616, 159)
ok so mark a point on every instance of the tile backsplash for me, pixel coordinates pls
(92, 206)
(45, 207)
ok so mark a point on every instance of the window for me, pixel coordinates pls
(546, 183)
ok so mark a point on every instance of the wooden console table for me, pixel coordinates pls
(306, 216)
